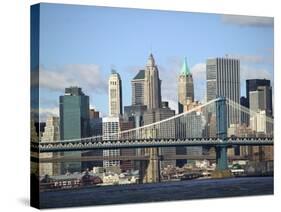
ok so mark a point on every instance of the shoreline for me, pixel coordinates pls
(144, 184)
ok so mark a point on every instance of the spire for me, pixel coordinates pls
(185, 70)
(150, 61)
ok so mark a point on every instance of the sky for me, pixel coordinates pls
(79, 45)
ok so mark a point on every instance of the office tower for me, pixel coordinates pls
(115, 94)
(261, 99)
(259, 103)
(240, 130)
(50, 134)
(244, 116)
(95, 123)
(185, 103)
(110, 128)
(185, 86)
(223, 80)
(74, 122)
(127, 165)
(194, 129)
(152, 85)
(134, 113)
(244, 101)
(138, 88)
(257, 84)
(255, 102)
(40, 126)
(167, 129)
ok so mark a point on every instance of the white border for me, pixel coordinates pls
(14, 89)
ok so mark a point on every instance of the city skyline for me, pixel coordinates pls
(73, 62)
(141, 97)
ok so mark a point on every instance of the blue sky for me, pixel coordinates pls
(80, 44)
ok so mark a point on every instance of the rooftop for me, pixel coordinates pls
(185, 70)
(140, 75)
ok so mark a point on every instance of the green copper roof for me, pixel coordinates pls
(185, 70)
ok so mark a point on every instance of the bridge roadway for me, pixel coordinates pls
(90, 144)
(60, 159)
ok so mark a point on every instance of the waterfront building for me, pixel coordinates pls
(110, 128)
(259, 93)
(240, 130)
(74, 122)
(259, 114)
(50, 134)
(115, 94)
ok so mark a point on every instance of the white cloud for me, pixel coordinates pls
(134, 69)
(248, 20)
(248, 72)
(256, 59)
(87, 76)
(199, 71)
(169, 89)
(199, 81)
(45, 112)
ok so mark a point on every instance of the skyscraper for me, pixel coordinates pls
(138, 88)
(50, 134)
(126, 165)
(95, 122)
(167, 129)
(260, 104)
(259, 110)
(110, 126)
(265, 89)
(152, 85)
(194, 129)
(223, 79)
(115, 94)
(74, 121)
(253, 84)
(185, 86)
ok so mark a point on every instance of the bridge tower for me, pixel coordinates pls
(150, 170)
(221, 120)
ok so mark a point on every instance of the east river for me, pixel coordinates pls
(168, 191)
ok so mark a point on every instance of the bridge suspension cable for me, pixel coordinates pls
(198, 122)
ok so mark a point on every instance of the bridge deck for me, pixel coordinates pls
(145, 143)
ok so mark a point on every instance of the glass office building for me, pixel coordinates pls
(74, 122)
